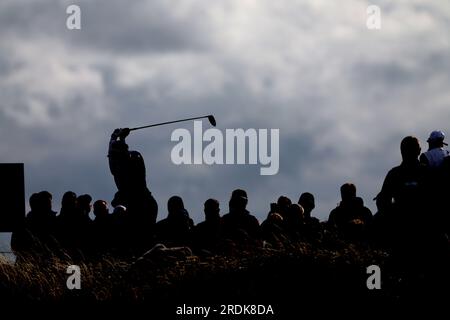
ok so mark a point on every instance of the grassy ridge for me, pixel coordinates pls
(242, 274)
(300, 275)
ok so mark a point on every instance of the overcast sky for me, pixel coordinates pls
(343, 96)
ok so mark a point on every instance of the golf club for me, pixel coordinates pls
(210, 117)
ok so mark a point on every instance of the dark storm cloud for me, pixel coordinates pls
(131, 27)
(117, 26)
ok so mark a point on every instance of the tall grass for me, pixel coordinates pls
(245, 273)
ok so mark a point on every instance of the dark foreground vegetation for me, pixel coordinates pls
(326, 276)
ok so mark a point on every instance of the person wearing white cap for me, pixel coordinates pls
(436, 153)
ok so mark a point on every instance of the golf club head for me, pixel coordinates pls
(212, 120)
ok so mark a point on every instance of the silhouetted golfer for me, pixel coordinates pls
(128, 169)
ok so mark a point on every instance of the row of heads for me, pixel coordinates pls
(42, 201)
(238, 201)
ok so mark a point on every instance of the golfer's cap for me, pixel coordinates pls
(437, 136)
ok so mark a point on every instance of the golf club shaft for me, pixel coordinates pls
(168, 122)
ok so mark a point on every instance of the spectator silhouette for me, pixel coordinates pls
(438, 174)
(120, 215)
(295, 221)
(350, 216)
(283, 205)
(208, 234)
(73, 226)
(273, 228)
(436, 153)
(175, 230)
(102, 228)
(311, 227)
(128, 169)
(37, 235)
(308, 204)
(445, 195)
(402, 191)
(239, 224)
(123, 232)
(41, 219)
(402, 198)
(292, 216)
(84, 205)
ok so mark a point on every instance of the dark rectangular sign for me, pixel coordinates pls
(12, 196)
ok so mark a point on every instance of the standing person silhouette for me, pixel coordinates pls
(239, 224)
(436, 153)
(402, 200)
(436, 159)
(207, 234)
(176, 229)
(350, 217)
(312, 227)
